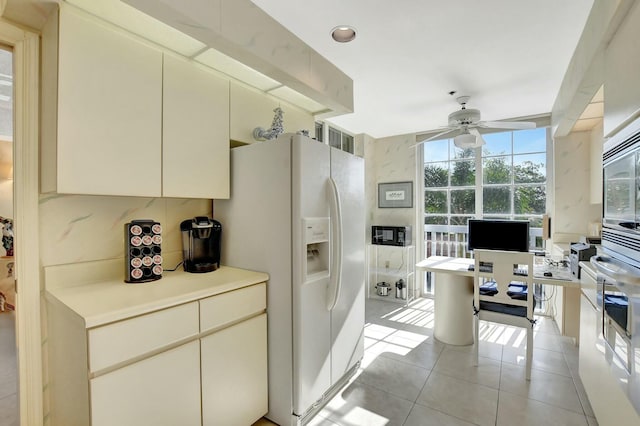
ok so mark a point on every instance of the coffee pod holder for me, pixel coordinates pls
(142, 251)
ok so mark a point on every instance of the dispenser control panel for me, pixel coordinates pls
(316, 229)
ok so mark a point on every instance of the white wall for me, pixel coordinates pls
(6, 198)
(389, 160)
(6, 181)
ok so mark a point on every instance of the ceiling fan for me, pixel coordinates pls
(463, 126)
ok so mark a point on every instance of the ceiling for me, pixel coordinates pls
(510, 56)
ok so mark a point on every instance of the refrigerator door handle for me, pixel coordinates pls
(335, 280)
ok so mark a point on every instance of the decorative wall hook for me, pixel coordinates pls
(276, 129)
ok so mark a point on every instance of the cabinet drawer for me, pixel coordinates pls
(227, 307)
(118, 342)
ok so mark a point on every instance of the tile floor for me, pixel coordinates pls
(410, 379)
(8, 371)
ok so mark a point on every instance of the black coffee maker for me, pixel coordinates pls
(201, 244)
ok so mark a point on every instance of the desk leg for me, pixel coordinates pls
(453, 309)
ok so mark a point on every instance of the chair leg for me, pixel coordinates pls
(476, 337)
(529, 350)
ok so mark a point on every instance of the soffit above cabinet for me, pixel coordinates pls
(593, 113)
(237, 38)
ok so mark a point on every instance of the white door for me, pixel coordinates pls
(347, 317)
(311, 319)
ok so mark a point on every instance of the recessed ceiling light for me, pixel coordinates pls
(343, 33)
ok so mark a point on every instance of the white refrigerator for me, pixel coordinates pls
(297, 212)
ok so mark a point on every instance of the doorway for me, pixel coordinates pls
(28, 330)
(8, 346)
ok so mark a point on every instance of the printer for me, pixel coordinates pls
(579, 252)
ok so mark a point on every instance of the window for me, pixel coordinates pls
(319, 132)
(504, 179)
(335, 137)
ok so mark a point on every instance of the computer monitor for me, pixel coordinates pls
(508, 235)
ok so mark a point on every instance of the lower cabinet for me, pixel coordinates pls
(234, 374)
(160, 390)
(198, 363)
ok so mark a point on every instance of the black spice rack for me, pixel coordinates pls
(143, 252)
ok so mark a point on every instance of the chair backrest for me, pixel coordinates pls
(508, 268)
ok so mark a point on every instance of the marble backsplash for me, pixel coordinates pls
(82, 228)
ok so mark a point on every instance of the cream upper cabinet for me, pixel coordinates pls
(595, 165)
(249, 109)
(121, 117)
(621, 83)
(102, 109)
(195, 131)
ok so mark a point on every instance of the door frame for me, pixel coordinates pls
(26, 47)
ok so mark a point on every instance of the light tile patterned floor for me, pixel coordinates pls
(410, 379)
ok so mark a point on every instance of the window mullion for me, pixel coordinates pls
(479, 178)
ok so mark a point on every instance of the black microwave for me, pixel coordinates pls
(391, 235)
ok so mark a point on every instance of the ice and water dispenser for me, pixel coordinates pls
(316, 240)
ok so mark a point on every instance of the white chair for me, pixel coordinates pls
(503, 293)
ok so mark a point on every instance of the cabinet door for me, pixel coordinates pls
(195, 141)
(109, 110)
(161, 390)
(249, 109)
(621, 84)
(234, 374)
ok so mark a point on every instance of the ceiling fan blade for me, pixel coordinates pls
(479, 139)
(512, 125)
(441, 135)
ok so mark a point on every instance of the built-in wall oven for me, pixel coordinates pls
(618, 286)
(621, 198)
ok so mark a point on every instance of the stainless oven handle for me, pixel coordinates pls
(629, 225)
(603, 269)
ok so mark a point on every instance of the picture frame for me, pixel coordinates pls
(395, 195)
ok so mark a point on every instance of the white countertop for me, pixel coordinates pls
(112, 300)
(460, 266)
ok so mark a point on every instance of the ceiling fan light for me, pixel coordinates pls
(465, 140)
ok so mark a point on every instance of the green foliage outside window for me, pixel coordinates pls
(436, 175)
(435, 202)
(513, 185)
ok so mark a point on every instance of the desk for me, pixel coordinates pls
(454, 287)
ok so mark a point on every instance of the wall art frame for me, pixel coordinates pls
(393, 195)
